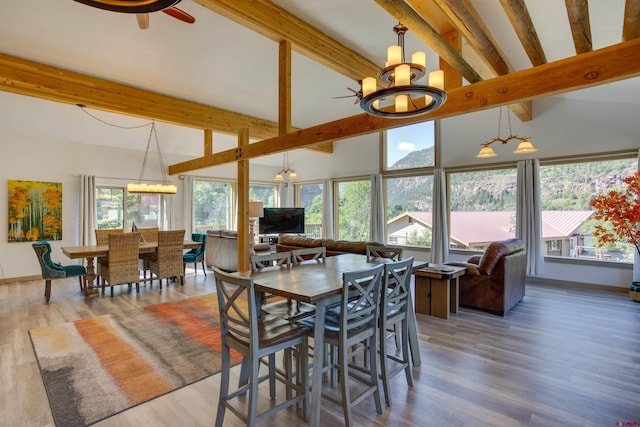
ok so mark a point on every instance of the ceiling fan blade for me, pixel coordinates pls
(143, 20)
(179, 14)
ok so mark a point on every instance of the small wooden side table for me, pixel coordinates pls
(437, 289)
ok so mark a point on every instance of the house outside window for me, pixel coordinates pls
(409, 202)
(482, 207)
(566, 190)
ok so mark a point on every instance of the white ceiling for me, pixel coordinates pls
(219, 63)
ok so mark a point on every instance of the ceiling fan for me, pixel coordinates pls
(142, 8)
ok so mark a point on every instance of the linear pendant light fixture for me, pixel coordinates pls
(402, 97)
(525, 146)
(163, 188)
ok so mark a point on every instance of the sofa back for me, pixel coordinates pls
(287, 242)
(495, 251)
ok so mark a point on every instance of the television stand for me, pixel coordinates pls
(271, 239)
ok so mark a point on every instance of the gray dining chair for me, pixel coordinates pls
(383, 251)
(318, 254)
(351, 329)
(255, 337)
(394, 317)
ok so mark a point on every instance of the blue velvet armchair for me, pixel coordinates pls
(52, 270)
(196, 255)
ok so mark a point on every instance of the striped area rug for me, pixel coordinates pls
(94, 368)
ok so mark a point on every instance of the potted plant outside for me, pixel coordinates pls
(620, 211)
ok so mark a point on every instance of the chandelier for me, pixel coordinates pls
(285, 171)
(163, 188)
(524, 147)
(402, 97)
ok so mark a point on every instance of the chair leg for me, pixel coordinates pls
(384, 374)
(81, 283)
(224, 385)
(204, 270)
(344, 384)
(253, 391)
(47, 290)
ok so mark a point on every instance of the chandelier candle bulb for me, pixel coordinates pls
(394, 55)
(419, 58)
(369, 85)
(402, 103)
(403, 75)
(436, 79)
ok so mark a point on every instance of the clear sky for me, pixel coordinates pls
(405, 139)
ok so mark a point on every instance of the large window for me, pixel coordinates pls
(114, 210)
(410, 147)
(409, 208)
(566, 190)
(310, 196)
(213, 205)
(482, 207)
(353, 207)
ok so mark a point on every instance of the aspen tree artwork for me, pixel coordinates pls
(35, 211)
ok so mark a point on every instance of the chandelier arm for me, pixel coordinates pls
(146, 153)
(162, 168)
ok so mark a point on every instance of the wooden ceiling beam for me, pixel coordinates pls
(631, 27)
(468, 22)
(613, 63)
(518, 14)
(578, 11)
(24, 77)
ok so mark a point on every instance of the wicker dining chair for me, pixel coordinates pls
(166, 263)
(102, 239)
(120, 266)
(53, 270)
(148, 235)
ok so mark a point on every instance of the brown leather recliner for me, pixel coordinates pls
(494, 281)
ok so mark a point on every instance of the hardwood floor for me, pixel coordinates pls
(563, 357)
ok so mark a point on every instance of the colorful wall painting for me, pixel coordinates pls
(35, 211)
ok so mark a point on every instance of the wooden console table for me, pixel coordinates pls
(437, 289)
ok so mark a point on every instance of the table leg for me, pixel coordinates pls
(90, 286)
(318, 361)
(414, 345)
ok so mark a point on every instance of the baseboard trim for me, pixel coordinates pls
(537, 280)
(20, 279)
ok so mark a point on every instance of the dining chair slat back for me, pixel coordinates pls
(167, 262)
(120, 266)
(318, 254)
(380, 251)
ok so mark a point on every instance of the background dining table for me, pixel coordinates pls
(90, 252)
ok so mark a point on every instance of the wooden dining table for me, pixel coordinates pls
(321, 284)
(91, 252)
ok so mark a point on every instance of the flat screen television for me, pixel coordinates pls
(281, 221)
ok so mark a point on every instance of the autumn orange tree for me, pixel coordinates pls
(620, 210)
